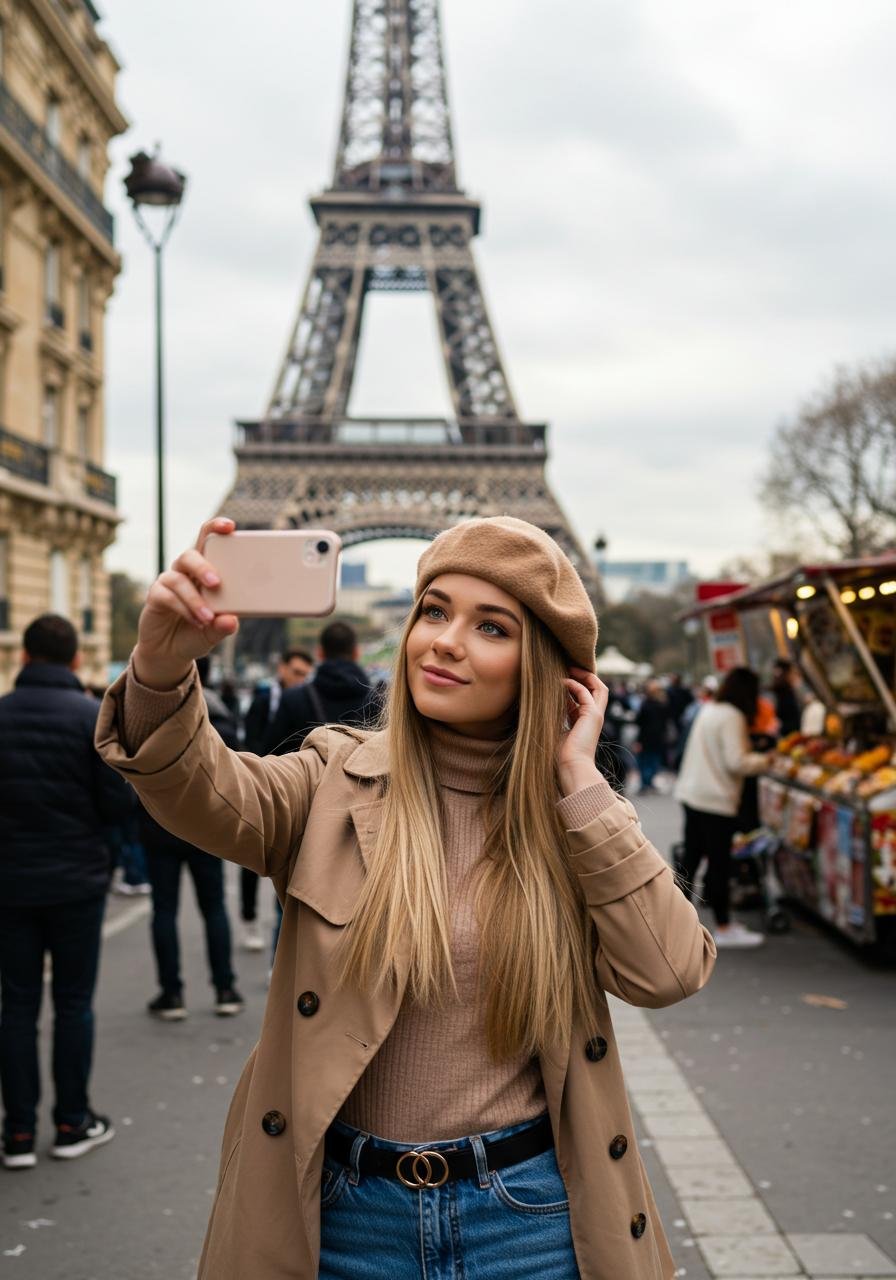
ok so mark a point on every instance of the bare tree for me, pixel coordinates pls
(834, 466)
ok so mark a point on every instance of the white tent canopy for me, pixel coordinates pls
(613, 663)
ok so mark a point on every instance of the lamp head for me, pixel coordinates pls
(152, 182)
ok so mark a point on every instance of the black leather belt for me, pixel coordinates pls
(423, 1167)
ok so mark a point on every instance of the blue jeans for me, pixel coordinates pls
(649, 765)
(165, 857)
(70, 932)
(498, 1226)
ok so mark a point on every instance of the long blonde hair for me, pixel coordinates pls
(536, 935)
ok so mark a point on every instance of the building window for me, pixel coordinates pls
(84, 431)
(51, 417)
(59, 602)
(4, 582)
(85, 593)
(53, 286)
(85, 332)
(85, 155)
(53, 125)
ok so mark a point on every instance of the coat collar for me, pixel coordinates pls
(370, 759)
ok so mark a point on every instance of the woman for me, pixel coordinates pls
(716, 761)
(436, 1089)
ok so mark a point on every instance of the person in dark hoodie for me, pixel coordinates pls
(165, 857)
(338, 693)
(57, 800)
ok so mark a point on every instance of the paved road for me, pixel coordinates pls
(767, 1122)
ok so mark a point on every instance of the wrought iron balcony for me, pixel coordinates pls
(99, 484)
(24, 457)
(32, 137)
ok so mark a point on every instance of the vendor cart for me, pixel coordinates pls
(829, 797)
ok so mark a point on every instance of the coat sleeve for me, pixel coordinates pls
(735, 745)
(241, 807)
(651, 950)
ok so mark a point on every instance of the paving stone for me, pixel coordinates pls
(762, 1255)
(652, 1064)
(834, 1254)
(666, 1101)
(698, 1151)
(718, 1182)
(678, 1125)
(747, 1217)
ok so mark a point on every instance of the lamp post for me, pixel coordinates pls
(154, 184)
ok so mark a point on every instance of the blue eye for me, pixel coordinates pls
(499, 631)
(429, 609)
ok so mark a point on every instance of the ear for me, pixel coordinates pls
(25, 658)
(320, 653)
(75, 662)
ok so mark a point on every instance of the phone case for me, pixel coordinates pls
(274, 573)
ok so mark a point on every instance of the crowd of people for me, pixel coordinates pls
(716, 739)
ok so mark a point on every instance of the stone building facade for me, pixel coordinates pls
(57, 270)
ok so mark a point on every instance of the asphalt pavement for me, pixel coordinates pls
(764, 1108)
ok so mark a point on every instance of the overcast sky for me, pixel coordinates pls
(689, 219)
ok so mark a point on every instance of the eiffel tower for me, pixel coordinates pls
(394, 219)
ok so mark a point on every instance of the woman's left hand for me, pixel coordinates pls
(588, 698)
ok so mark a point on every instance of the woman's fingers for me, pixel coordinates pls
(218, 524)
(184, 589)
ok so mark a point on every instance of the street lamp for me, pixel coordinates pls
(154, 184)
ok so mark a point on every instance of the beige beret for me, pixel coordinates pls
(525, 562)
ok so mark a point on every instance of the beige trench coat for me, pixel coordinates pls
(309, 821)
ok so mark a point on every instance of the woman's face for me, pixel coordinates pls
(464, 654)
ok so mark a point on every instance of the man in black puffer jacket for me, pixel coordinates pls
(338, 693)
(56, 796)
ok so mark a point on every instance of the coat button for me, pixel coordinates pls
(308, 1003)
(639, 1225)
(619, 1146)
(596, 1048)
(273, 1123)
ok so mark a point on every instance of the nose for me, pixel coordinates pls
(449, 642)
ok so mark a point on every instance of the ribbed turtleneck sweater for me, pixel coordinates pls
(433, 1078)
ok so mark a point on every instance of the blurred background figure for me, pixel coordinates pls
(786, 681)
(57, 798)
(293, 669)
(652, 719)
(717, 758)
(340, 692)
(166, 856)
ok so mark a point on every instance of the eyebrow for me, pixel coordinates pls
(480, 608)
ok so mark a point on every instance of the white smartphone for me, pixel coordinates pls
(274, 573)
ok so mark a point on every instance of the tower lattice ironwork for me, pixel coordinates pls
(394, 219)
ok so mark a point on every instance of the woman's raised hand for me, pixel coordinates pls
(588, 698)
(176, 624)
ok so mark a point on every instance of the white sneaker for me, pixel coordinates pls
(252, 939)
(737, 935)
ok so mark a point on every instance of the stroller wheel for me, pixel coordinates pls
(777, 921)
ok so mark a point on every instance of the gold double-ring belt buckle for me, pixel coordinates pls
(421, 1169)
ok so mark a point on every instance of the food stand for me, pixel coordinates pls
(829, 798)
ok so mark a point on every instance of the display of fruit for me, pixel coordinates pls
(882, 780)
(836, 758)
(868, 761)
(843, 783)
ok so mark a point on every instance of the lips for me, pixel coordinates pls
(439, 676)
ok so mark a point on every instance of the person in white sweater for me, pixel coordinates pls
(716, 760)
